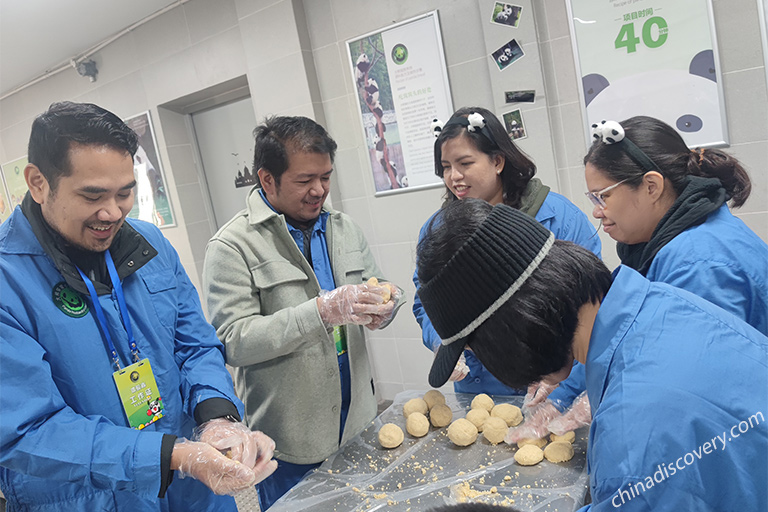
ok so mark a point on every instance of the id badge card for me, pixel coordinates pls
(139, 394)
(340, 338)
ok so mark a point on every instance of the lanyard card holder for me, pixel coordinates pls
(139, 394)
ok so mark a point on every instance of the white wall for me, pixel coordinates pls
(294, 58)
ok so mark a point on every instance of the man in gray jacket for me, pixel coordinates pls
(286, 285)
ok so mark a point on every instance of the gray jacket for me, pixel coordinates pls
(261, 291)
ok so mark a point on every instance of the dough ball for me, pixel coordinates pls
(417, 424)
(559, 451)
(415, 405)
(478, 417)
(462, 432)
(433, 397)
(482, 401)
(495, 429)
(390, 435)
(529, 455)
(538, 443)
(509, 413)
(440, 415)
(568, 437)
(375, 282)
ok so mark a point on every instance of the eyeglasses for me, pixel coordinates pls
(597, 197)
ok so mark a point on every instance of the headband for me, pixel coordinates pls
(475, 122)
(611, 132)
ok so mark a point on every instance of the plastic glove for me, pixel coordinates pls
(236, 441)
(536, 424)
(205, 463)
(352, 304)
(537, 393)
(460, 371)
(578, 415)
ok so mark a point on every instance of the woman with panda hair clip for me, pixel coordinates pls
(477, 159)
(667, 208)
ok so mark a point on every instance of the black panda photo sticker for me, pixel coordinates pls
(69, 301)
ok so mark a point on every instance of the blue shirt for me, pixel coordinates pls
(567, 222)
(721, 260)
(321, 262)
(679, 393)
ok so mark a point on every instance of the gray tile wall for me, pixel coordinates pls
(294, 56)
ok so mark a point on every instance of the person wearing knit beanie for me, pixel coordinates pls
(493, 280)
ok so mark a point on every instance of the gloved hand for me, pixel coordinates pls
(537, 393)
(352, 304)
(383, 318)
(536, 423)
(578, 415)
(460, 371)
(205, 463)
(238, 442)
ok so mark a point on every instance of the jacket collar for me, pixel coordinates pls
(130, 250)
(616, 315)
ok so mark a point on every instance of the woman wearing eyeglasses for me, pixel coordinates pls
(667, 208)
(476, 158)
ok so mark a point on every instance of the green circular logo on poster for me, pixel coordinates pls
(399, 53)
(69, 301)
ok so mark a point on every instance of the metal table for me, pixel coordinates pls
(431, 471)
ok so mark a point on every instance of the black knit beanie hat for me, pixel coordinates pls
(483, 274)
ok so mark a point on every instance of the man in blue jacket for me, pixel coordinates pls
(677, 386)
(107, 360)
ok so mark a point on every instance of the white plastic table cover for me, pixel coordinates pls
(431, 471)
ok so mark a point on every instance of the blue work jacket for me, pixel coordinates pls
(567, 222)
(679, 393)
(65, 443)
(720, 260)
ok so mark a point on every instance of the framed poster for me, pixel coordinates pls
(401, 82)
(151, 202)
(650, 57)
(14, 186)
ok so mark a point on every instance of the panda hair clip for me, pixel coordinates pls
(475, 123)
(436, 127)
(611, 132)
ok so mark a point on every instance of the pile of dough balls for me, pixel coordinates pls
(559, 450)
(486, 417)
(416, 411)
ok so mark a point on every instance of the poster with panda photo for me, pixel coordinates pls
(401, 81)
(657, 58)
(151, 202)
(506, 14)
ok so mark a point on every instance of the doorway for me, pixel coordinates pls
(224, 136)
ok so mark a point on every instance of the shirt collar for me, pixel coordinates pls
(319, 223)
(614, 320)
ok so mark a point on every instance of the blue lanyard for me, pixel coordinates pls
(123, 310)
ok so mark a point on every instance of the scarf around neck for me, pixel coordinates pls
(533, 197)
(700, 197)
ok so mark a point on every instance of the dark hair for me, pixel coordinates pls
(279, 136)
(518, 168)
(664, 145)
(531, 335)
(67, 123)
(472, 507)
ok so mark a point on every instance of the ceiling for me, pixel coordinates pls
(40, 35)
